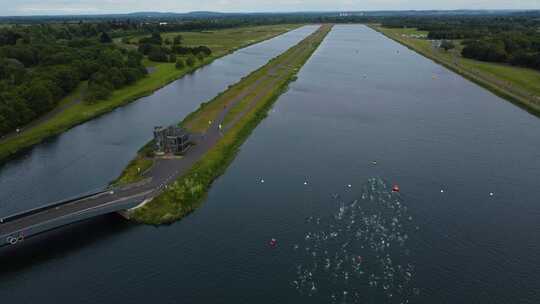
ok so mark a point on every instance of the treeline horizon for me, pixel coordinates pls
(511, 40)
(156, 16)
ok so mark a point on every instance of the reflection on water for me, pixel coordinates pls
(360, 253)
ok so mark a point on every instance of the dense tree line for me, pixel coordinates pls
(160, 50)
(39, 65)
(505, 39)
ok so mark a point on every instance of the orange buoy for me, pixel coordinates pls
(395, 188)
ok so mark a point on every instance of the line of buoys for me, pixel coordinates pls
(395, 188)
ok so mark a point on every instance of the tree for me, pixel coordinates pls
(145, 48)
(66, 77)
(200, 57)
(96, 92)
(12, 70)
(190, 61)
(180, 64)
(105, 38)
(172, 58)
(131, 75)
(181, 50)
(38, 96)
(8, 37)
(116, 77)
(158, 54)
(155, 38)
(447, 45)
(203, 49)
(177, 40)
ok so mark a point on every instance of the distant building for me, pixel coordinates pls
(171, 139)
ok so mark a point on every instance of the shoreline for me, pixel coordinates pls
(522, 102)
(189, 189)
(7, 154)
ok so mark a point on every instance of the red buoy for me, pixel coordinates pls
(395, 188)
(272, 243)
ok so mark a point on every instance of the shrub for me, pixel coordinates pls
(190, 61)
(180, 64)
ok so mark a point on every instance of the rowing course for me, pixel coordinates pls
(425, 134)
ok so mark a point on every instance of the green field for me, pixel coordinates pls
(259, 90)
(223, 42)
(519, 85)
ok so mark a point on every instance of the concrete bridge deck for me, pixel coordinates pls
(15, 229)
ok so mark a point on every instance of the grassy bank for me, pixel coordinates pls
(137, 167)
(224, 42)
(188, 192)
(521, 86)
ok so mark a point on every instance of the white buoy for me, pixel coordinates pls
(442, 190)
(491, 194)
(305, 183)
(262, 181)
(349, 185)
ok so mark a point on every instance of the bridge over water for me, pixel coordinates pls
(15, 228)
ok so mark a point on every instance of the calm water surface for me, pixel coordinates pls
(361, 98)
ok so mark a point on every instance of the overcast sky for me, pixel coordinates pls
(60, 7)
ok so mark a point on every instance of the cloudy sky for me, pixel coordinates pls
(59, 7)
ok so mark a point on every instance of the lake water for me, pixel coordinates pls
(364, 110)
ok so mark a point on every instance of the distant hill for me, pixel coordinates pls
(200, 14)
(210, 14)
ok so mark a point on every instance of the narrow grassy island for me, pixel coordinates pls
(520, 85)
(76, 108)
(220, 126)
